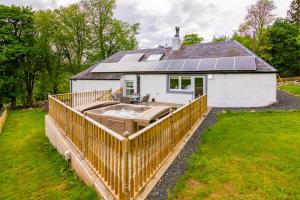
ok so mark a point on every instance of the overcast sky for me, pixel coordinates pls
(159, 17)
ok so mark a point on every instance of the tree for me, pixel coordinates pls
(282, 47)
(221, 38)
(192, 38)
(108, 35)
(293, 13)
(74, 35)
(244, 40)
(16, 48)
(259, 16)
(52, 53)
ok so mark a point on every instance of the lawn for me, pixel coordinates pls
(245, 156)
(30, 168)
(291, 88)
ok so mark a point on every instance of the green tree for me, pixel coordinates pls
(74, 35)
(17, 41)
(221, 38)
(192, 38)
(282, 47)
(52, 52)
(108, 35)
(293, 13)
(244, 40)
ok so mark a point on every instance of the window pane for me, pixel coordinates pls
(174, 83)
(186, 83)
(129, 84)
(129, 92)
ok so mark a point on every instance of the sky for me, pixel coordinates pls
(158, 18)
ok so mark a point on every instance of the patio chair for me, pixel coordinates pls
(125, 100)
(145, 99)
(117, 97)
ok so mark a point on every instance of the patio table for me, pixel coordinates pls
(135, 98)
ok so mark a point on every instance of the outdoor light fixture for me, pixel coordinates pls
(210, 76)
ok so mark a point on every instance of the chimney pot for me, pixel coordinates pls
(176, 42)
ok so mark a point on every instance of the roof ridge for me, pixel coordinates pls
(228, 41)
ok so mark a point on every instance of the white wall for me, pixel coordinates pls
(91, 85)
(156, 86)
(224, 90)
(242, 90)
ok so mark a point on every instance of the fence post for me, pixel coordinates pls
(190, 115)
(126, 150)
(171, 130)
(66, 118)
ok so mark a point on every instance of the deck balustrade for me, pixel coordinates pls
(124, 163)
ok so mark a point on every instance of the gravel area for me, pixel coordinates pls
(178, 167)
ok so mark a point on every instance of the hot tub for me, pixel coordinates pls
(127, 117)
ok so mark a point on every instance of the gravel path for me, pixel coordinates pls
(178, 167)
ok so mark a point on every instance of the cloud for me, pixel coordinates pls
(159, 17)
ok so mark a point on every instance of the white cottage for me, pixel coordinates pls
(230, 74)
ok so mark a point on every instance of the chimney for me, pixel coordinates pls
(176, 42)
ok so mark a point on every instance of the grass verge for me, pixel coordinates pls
(245, 156)
(30, 167)
(291, 88)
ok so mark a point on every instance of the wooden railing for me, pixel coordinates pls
(2, 119)
(151, 146)
(101, 146)
(125, 163)
(80, 98)
(120, 90)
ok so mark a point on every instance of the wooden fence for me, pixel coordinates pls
(125, 164)
(3, 116)
(279, 79)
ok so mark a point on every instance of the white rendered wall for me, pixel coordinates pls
(91, 85)
(242, 90)
(156, 86)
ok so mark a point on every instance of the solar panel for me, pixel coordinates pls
(126, 67)
(206, 64)
(135, 57)
(241, 63)
(162, 65)
(245, 63)
(176, 65)
(191, 65)
(154, 57)
(226, 63)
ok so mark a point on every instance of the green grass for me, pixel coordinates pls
(30, 168)
(245, 156)
(291, 88)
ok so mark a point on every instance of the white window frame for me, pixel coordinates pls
(179, 83)
(129, 88)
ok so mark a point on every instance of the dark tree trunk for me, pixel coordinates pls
(13, 102)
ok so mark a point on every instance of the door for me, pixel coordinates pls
(198, 87)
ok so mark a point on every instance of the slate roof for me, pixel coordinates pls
(197, 51)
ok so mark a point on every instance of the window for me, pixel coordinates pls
(174, 82)
(186, 83)
(129, 88)
(178, 83)
(154, 57)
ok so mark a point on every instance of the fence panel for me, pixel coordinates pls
(99, 145)
(151, 146)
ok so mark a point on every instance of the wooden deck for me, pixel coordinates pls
(125, 163)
